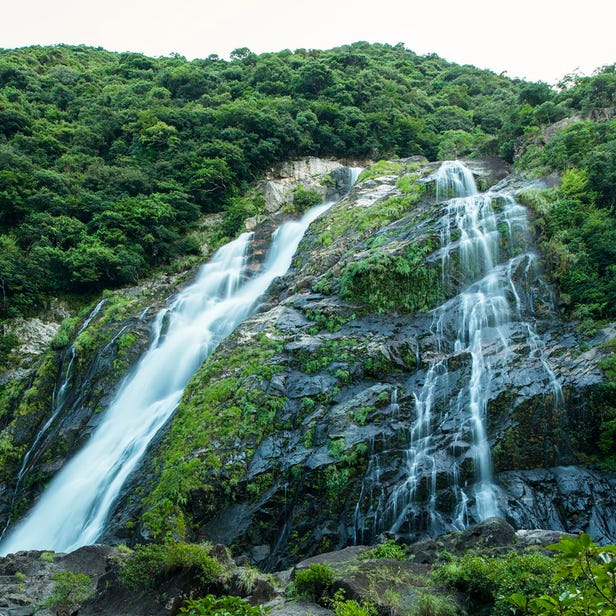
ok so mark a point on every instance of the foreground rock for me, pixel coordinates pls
(29, 583)
(394, 586)
(28, 579)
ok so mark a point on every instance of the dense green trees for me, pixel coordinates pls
(107, 160)
(576, 221)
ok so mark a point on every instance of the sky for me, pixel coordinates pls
(537, 40)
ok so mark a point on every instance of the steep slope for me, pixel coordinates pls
(307, 430)
(133, 402)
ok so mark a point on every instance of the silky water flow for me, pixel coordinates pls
(73, 509)
(477, 326)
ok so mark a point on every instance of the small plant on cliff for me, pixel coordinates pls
(379, 169)
(221, 606)
(63, 335)
(408, 184)
(313, 583)
(383, 281)
(7, 343)
(303, 199)
(70, 591)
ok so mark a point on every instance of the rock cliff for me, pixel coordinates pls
(294, 437)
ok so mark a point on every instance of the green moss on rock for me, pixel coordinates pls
(224, 413)
(381, 168)
(384, 281)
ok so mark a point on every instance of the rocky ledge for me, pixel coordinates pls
(30, 581)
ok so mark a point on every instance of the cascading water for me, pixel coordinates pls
(59, 394)
(475, 329)
(58, 404)
(73, 510)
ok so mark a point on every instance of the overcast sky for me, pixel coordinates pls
(532, 39)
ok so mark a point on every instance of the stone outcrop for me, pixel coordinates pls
(34, 337)
(326, 177)
(27, 578)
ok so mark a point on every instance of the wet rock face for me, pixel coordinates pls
(565, 498)
(313, 451)
(490, 169)
(71, 393)
(66, 390)
(347, 380)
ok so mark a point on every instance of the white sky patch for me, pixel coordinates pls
(533, 39)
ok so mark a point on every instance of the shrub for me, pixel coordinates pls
(305, 198)
(60, 340)
(238, 210)
(350, 607)
(408, 184)
(389, 549)
(70, 591)
(313, 583)
(486, 581)
(434, 605)
(577, 239)
(149, 562)
(587, 573)
(7, 343)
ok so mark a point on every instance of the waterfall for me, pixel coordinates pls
(437, 490)
(73, 509)
(59, 394)
(58, 403)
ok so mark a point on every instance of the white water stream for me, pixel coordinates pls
(474, 328)
(73, 509)
(468, 229)
(58, 403)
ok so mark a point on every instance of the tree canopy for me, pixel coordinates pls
(107, 160)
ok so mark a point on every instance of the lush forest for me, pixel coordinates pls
(108, 160)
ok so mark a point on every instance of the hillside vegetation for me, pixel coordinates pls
(109, 164)
(107, 160)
